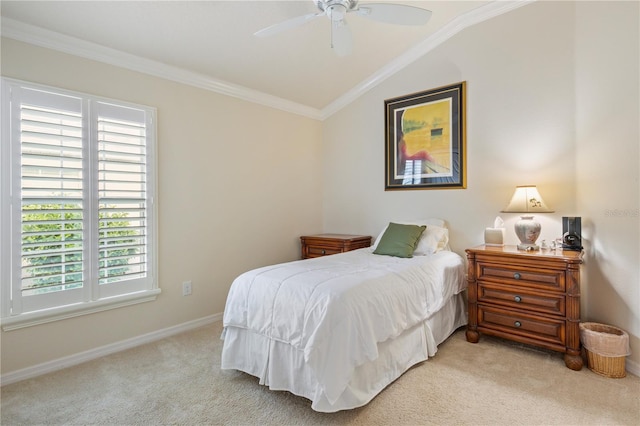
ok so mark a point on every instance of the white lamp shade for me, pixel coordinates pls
(527, 199)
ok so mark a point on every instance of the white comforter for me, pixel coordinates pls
(338, 308)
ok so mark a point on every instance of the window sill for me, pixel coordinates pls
(56, 314)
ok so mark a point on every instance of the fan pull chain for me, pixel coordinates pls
(331, 34)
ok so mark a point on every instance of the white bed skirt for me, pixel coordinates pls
(281, 366)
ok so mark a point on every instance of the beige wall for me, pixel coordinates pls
(520, 122)
(608, 159)
(552, 100)
(233, 195)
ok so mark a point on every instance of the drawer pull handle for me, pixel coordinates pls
(516, 275)
(517, 324)
(518, 299)
(324, 252)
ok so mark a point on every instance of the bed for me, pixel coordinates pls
(338, 329)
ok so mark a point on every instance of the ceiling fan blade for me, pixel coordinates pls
(288, 24)
(341, 38)
(394, 13)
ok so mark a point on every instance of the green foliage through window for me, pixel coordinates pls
(52, 246)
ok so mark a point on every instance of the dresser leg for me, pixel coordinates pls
(472, 336)
(573, 362)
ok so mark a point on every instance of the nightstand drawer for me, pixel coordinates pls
(521, 298)
(548, 279)
(518, 323)
(315, 251)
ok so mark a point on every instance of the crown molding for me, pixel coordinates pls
(473, 17)
(52, 40)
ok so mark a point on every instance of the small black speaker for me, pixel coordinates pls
(571, 233)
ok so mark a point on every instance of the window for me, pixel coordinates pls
(77, 215)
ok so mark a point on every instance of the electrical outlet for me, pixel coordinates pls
(186, 288)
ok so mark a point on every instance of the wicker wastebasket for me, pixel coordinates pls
(606, 347)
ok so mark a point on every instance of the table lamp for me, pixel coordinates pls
(527, 199)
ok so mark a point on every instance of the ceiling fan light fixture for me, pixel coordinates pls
(336, 12)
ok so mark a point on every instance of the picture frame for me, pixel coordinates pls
(426, 139)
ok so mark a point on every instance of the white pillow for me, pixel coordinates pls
(434, 239)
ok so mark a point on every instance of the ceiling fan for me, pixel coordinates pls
(336, 11)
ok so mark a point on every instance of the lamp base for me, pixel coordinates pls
(527, 231)
(528, 247)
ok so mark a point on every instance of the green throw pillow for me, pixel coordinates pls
(399, 240)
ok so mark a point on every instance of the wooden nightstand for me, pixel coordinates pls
(529, 297)
(326, 244)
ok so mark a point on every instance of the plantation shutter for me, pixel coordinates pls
(122, 194)
(52, 201)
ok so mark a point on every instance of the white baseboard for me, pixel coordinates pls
(79, 358)
(632, 367)
(71, 360)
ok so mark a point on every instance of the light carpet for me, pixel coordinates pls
(178, 381)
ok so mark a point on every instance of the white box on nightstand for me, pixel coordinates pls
(494, 236)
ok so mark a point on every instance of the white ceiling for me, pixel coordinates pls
(211, 44)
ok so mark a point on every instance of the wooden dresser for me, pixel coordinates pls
(530, 297)
(326, 244)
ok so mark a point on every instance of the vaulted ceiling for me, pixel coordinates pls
(210, 44)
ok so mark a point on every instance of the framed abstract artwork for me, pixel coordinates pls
(426, 140)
